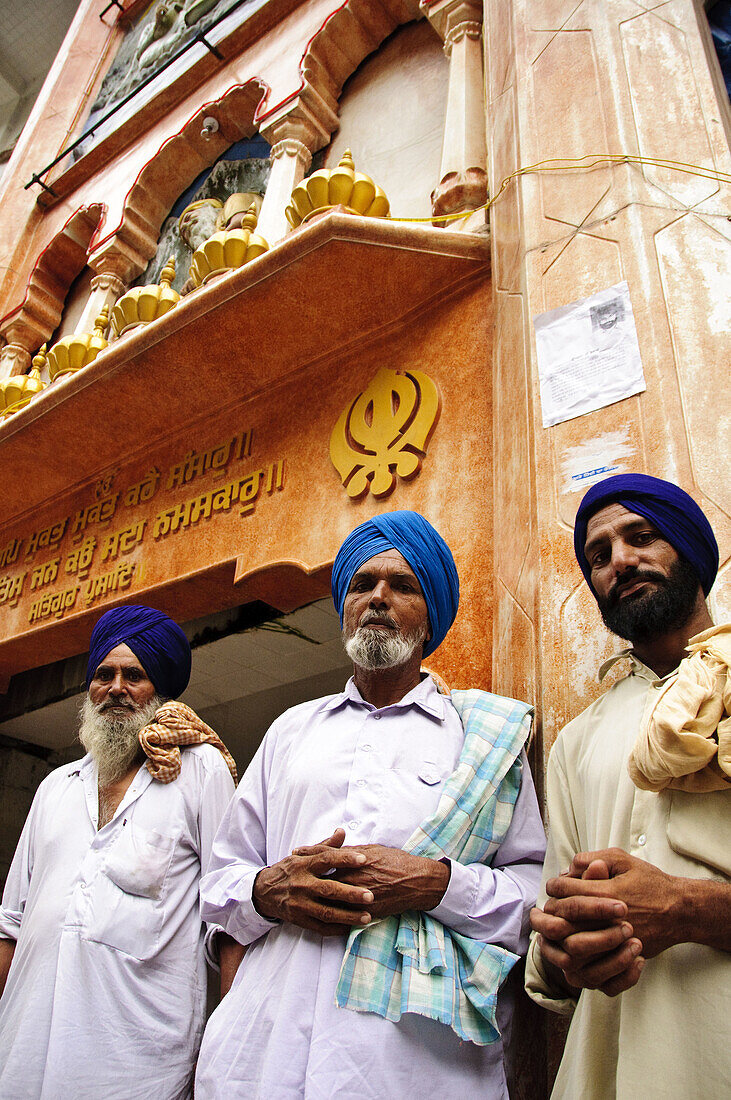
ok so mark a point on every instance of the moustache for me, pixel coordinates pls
(377, 618)
(631, 578)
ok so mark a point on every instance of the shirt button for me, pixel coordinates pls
(82, 885)
(642, 839)
(361, 783)
(366, 747)
(376, 716)
(353, 824)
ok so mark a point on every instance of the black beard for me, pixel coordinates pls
(647, 615)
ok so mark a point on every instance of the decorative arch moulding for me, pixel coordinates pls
(166, 174)
(36, 317)
(104, 151)
(347, 35)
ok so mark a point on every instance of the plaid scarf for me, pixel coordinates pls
(176, 724)
(411, 962)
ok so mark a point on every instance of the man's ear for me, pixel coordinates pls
(429, 634)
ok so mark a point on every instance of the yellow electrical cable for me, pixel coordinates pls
(576, 164)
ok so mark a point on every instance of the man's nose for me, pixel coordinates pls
(118, 685)
(624, 556)
(380, 596)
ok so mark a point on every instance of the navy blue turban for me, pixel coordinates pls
(668, 507)
(423, 548)
(157, 642)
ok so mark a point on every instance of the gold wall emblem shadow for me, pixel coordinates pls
(384, 433)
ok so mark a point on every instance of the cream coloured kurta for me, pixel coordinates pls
(668, 1037)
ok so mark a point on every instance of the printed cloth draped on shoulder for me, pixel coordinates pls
(411, 962)
(176, 724)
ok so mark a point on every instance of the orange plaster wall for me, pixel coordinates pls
(192, 571)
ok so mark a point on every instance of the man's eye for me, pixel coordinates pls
(643, 538)
(599, 559)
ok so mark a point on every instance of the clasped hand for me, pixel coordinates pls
(330, 889)
(604, 916)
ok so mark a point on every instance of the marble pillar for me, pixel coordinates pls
(463, 176)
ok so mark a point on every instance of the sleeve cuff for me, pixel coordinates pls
(459, 897)
(9, 924)
(539, 988)
(234, 911)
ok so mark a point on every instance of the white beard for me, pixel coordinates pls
(112, 739)
(371, 648)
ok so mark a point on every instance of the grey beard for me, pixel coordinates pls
(112, 740)
(372, 649)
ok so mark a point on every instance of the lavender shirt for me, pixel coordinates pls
(378, 773)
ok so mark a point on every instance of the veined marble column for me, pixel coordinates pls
(463, 177)
(105, 289)
(291, 158)
(14, 359)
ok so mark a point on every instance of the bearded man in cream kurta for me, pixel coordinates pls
(634, 935)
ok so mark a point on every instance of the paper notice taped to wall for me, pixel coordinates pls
(588, 355)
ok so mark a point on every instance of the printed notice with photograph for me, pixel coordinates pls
(588, 355)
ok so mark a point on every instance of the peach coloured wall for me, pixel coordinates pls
(565, 80)
(392, 118)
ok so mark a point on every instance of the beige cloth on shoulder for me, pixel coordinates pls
(684, 742)
(176, 724)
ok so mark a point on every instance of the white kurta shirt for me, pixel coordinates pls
(106, 992)
(335, 762)
(667, 1038)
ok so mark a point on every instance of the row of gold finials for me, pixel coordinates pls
(227, 250)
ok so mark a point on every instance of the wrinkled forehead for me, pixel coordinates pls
(123, 657)
(388, 563)
(613, 519)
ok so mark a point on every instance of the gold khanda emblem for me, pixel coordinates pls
(383, 434)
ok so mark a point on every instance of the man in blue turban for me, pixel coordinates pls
(412, 911)
(102, 948)
(639, 811)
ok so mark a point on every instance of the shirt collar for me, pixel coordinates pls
(638, 667)
(424, 695)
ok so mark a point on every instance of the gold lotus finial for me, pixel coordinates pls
(102, 323)
(39, 361)
(143, 304)
(250, 218)
(227, 250)
(354, 192)
(168, 273)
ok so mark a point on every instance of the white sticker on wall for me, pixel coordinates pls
(584, 464)
(588, 355)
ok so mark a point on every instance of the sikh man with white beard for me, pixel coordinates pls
(373, 967)
(103, 952)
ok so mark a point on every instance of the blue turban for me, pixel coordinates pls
(423, 548)
(157, 642)
(669, 508)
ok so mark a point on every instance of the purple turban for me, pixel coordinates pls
(157, 642)
(423, 548)
(670, 509)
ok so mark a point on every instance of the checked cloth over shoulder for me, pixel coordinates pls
(411, 962)
(175, 724)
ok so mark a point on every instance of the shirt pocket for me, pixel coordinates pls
(699, 827)
(412, 790)
(128, 899)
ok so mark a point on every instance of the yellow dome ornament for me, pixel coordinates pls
(341, 186)
(19, 390)
(73, 353)
(143, 304)
(227, 250)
